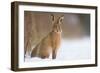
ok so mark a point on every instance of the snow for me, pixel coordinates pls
(70, 49)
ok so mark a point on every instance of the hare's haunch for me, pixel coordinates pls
(50, 43)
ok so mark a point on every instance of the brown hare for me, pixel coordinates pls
(51, 43)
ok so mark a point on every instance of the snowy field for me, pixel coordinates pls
(71, 49)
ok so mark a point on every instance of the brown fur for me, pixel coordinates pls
(50, 43)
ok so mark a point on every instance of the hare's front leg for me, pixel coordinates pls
(54, 53)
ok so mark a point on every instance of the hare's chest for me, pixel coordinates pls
(56, 39)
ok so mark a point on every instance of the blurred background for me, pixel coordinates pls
(39, 24)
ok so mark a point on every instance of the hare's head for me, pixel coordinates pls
(57, 22)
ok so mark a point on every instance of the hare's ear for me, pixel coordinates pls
(52, 17)
(61, 18)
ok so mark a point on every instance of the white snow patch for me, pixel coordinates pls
(71, 49)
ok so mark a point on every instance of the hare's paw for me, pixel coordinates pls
(44, 56)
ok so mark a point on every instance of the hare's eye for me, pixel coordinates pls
(52, 17)
(61, 18)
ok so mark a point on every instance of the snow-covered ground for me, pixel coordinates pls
(71, 49)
